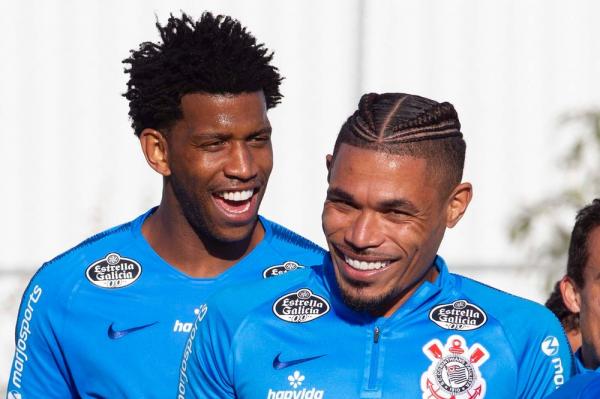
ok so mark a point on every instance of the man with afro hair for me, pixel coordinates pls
(110, 317)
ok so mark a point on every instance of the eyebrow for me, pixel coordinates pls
(340, 194)
(399, 204)
(224, 135)
(396, 203)
(263, 130)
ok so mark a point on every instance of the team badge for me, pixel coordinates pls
(114, 271)
(454, 371)
(278, 270)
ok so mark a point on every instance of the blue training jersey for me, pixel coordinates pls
(110, 318)
(586, 384)
(294, 338)
(582, 386)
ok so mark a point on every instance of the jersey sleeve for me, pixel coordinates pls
(38, 368)
(547, 362)
(206, 370)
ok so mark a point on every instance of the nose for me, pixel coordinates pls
(364, 232)
(240, 163)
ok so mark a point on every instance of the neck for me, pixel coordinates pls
(172, 237)
(589, 356)
(430, 275)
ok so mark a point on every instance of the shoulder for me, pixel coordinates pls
(286, 240)
(67, 269)
(238, 302)
(510, 310)
(528, 327)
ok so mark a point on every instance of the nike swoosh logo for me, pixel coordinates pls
(116, 334)
(278, 364)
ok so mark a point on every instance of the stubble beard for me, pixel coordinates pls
(219, 245)
(352, 293)
(192, 212)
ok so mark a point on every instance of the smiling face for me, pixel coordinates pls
(219, 160)
(384, 219)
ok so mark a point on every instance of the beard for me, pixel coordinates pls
(191, 209)
(351, 292)
(195, 211)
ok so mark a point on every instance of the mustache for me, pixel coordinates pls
(344, 249)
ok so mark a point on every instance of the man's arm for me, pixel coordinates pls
(548, 362)
(38, 368)
(205, 370)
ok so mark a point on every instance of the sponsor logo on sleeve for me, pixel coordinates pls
(183, 378)
(296, 381)
(550, 347)
(14, 395)
(185, 326)
(458, 315)
(283, 268)
(301, 306)
(21, 355)
(114, 271)
(454, 371)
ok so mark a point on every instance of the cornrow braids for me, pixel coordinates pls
(411, 125)
(214, 55)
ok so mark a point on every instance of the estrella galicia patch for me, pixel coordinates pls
(458, 315)
(301, 306)
(114, 271)
(283, 268)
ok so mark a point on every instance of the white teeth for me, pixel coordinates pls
(236, 195)
(362, 265)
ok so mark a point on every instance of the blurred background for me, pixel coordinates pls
(523, 75)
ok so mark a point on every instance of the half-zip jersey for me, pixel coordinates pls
(294, 338)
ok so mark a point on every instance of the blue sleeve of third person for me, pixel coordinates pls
(205, 370)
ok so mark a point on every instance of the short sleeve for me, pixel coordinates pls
(38, 367)
(205, 370)
(547, 363)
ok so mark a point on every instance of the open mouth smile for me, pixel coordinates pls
(356, 264)
(236, 202)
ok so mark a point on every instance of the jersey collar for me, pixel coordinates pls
(579, 367)
(250, 258)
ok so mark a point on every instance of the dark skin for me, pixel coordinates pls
(220, 149)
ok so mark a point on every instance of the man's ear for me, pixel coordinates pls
(570, 294)
(458, 201)
(156, 150)
(328, 163)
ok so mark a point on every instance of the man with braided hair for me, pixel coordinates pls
(382, 317)
(110, 317)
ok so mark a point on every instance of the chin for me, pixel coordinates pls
(233, 234)
(362, 297)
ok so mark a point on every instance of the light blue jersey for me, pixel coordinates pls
(294, 338)
(110, 318)
(586, 384)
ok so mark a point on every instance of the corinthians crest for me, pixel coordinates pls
(454, 371)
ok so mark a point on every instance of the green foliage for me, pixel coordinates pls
(544, 226)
